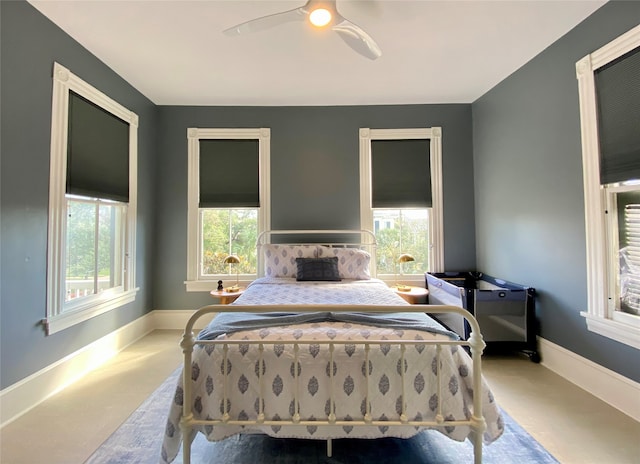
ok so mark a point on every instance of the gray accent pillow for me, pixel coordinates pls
(318, 269)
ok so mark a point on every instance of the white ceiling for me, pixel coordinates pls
(174, 52)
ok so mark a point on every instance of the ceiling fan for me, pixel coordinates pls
(321, 14)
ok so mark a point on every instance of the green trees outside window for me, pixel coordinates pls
(225, 232)
(402, 231)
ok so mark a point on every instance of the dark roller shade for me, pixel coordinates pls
(97, 152)
(229, 173)
(400, 173)
(618, 97)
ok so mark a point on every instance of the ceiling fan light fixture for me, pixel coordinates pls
(321, 14)
(320, 17)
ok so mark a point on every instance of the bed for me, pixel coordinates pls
(318, 348)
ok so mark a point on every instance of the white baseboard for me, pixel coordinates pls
(15, 400)
(29, 392)
(171, 319)
(612, 388)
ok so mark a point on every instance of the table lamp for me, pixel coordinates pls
(233, 259)
(403, 258)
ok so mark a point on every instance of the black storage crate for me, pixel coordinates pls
(504, 310)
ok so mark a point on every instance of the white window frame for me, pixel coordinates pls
(58, 317)
(194, 282)
(436, 227)
(600, 316)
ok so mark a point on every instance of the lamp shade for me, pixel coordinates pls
(232, 259)
(405, 258)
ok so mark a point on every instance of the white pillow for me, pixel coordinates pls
(353, 263)
(280, 260)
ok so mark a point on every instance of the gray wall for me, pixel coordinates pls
(30, 44)
(314, 175)
(528, 186)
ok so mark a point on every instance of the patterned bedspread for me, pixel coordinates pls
(279, 290)
(424, 374)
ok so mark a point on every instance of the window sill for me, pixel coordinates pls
(620, 332)
(65, 320)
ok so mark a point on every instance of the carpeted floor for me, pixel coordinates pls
(139, 439)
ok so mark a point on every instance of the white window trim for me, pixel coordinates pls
(57, 320)
(194, 135)
(436, 227)
(599, 317)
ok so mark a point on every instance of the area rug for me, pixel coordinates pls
(139, 440)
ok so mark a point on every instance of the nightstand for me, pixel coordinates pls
(415, 295)
(226, 297)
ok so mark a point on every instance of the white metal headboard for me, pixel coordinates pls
(366, 241)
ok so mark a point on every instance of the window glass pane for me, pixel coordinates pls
(94, 253)
(228, 231)
(629, 251)
(105, 246)
(81, 245)
(402, 231)
(109, 246)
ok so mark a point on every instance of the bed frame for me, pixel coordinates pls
(474, 343)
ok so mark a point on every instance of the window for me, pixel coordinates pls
(609, 88)
(94, 247)
(401, 199)
(92, 203)
(228, 203)
(225, 232)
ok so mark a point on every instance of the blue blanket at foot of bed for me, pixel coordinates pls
(226, 323)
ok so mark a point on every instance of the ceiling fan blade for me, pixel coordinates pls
(356, 38)
(267, 22)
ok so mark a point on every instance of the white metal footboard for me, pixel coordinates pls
(476, 422)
